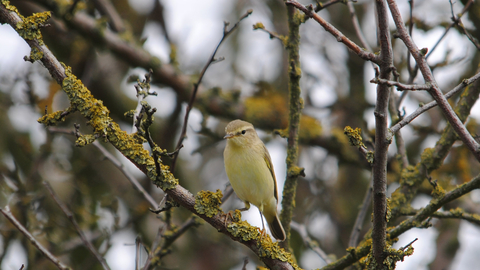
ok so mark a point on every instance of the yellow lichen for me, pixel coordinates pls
(29, 28)
(258, 25)
(208, 203)
(310, 128)
(85, 140)
(35, 54)
(354, 136)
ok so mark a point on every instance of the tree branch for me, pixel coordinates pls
(405, 121)
(294, 113)
(381, 138)
(435, 91)
(70, 217)
(97, 114)
(210, 61)
(6, 212)
(369, 56)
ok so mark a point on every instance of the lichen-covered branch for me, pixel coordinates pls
(103, 126)
(295, 111)
(432, 158)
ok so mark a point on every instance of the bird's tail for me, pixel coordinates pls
(276, 228)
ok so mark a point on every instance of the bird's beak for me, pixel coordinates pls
(228, 136)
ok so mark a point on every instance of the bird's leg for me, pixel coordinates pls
(230, 213)
(263, 232)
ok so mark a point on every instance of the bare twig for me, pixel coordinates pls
(405, 121)
(226, 33)
(458, 22)
(356, 26)
(401, 86)
(409, 244)
(435, 91)
(357, 227)
(117, 164)
(321, 6)
(302, 230)
(452, 214)
(6, 212)
(72, 219)
(105, 7)
(369, 56)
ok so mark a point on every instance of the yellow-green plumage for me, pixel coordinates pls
(250, 171)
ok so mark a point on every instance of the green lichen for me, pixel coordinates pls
(29, 28)
(411, 176)
(438, 191)
(208, 203)
(428, 159)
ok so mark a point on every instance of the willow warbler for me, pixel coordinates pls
(250, 171)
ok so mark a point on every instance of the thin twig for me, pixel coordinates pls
(405, 121)
(302, 230)
(401, 86)
(452, 214)
(369, 56)
(105, 7)
(435, 91)
(356, 26)
(6, 212)
(154, 247)
(321, 6)
(72, 219)
(211, 60)
(117, 164)
(458, 22)
(409, 244)
(434, 205)
(357, 227)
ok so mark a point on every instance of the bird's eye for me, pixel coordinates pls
(244, 131)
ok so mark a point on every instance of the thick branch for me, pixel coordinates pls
(295, 111)
(381, 138)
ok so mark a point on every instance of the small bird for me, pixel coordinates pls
(250, 171)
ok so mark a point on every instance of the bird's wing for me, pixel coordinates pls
(268, 161)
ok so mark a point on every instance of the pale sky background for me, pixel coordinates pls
(259, 55)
